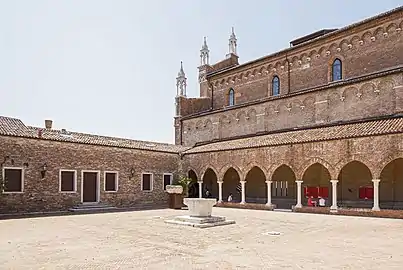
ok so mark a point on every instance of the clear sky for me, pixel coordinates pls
(108, 67)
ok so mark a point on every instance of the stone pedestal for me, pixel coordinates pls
(175, 196)
(200, 210)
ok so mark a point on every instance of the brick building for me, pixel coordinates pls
(323, 118)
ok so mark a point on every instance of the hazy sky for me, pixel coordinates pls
(109, 67)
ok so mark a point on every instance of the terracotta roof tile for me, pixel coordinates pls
(15, 127)
(370, 128)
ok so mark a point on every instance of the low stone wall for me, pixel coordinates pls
(384, 213)
(256, 206)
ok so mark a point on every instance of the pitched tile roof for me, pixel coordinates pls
(370, 128)
(15, 127)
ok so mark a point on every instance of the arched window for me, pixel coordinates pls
(336, 70)
(231, 101)
(275, 86)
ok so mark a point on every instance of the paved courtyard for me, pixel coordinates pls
(141, 240)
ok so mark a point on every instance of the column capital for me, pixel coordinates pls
(299, 181)
(376, 180)
(200, 181)
(334, 181)
(242, 182)
(269, 182)
(220, 181)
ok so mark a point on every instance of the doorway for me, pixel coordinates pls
(90, 187)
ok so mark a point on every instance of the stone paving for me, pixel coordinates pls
(141, 240)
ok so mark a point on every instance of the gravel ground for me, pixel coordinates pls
(141, 240)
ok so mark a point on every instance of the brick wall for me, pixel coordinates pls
(374, 151)
(367, 98)
(43, 194)
(364, 49)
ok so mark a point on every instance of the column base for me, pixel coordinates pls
(298, 206)
(376, 209)
(333, 209)
(268, 204)
(219, 201)
(242, 202)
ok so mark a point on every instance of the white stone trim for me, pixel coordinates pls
(98, 192)
(116, 182)
(322, 101)
(151, 184)
(22, 179)
(74, 183)
(170, 182)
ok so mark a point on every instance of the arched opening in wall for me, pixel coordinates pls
(193, 191)
(355, 188)
(316, 185)
(231, 183)
(210, 184)
(391, 185)
(255, 186)
(284, 188)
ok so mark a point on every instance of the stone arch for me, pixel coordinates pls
(231, 180)
(322, 51)
(313, 161)
(343, 45)
(354, 40)
(224, 169)
(251, 113)
(210, 179)
(332, 48)
(199, 124)
(384, 162)
(312, 54)
(284, 189)
(350, 93)
(252, 164)
(391, 184)
(401, 26)
(378, 33)
(205, 168)
(192, 173)
(193, 191)
(207, 124)
(354, 188)
(241, 116)
(316, 181)
(391, 28)
(366, 37)
(255, 186)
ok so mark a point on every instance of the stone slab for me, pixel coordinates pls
(199, 220)
(200, 225)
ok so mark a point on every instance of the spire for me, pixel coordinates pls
(204, 54)
(232, 43)
(181, 82)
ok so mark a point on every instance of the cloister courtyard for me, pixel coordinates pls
(141, 240)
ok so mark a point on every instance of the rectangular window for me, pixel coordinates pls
(279, 189)
(167, 180)
(147, 182)
(111, 181)
(68, 181)
(13, 180)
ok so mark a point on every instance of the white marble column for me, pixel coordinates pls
(200, 189)
(220, 191)
(299, 193)
(268, 182)
(334, 195)
(243, 192)
(376, 195)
